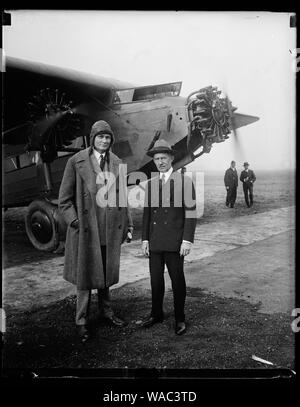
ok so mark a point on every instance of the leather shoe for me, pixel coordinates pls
(151, 321)
(114, 320)
(180, 328)
(83, 332)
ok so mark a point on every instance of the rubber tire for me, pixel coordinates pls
(49, 210)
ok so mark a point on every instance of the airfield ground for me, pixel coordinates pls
(240, 294)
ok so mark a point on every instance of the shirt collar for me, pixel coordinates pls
(97, 154)
(167, 174)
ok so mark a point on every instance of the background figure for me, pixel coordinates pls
(95, 232)
(248, 178)
(231, 184)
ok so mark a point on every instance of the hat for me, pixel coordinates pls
(245, 163)
(101, 127)
(161, 146)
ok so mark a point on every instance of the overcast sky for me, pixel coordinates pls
(246, 54)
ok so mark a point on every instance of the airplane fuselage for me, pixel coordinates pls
(48, 114)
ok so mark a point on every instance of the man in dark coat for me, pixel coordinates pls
(96, 226)
(169, 222)
(231, 184)
(248, 178)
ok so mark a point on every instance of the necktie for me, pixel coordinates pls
(102, 161)
(163, 179)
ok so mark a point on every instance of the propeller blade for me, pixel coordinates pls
(19, 134)
(233, 125)
(237, 120)
(82, 109)
(42, 126)
(232, 122)
(16, 135)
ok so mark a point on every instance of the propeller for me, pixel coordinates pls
(55, 121)
(233, 126)
(231, 110)
(239, 151)
(236, 121)
(42, 126)
(37, 128)
(83, 109)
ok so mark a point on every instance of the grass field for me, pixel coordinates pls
(272, 190)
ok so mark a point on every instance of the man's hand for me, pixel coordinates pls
(75, 224)
(185, 248)
(145, 249)
(129, 234)
(227, 188)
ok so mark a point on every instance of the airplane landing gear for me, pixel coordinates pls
(43, 225)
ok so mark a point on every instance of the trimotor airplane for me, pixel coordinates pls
(48, 113)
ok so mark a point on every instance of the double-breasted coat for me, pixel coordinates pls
(169, 221)
(77, 200)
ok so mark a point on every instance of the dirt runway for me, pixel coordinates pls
(240, 293)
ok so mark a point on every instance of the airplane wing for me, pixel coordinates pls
(34, 91)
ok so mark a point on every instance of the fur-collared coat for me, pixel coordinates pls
(77, 200)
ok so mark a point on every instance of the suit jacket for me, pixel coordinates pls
(231, 178)
(251, 177)
(171, 219)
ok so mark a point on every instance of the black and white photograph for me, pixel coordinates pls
(148, 183)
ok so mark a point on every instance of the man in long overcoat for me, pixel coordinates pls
(248, 178)
(91, 190)
(169, 222)
(231, 184)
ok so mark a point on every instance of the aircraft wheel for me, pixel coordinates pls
(41, 225)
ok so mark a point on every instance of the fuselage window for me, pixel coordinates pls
(10, 164)
(143, 93)
(27, 159)
(19, 161)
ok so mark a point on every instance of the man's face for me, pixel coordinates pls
(246, 167)
(232, 164)
(163, 161)
(102, 142)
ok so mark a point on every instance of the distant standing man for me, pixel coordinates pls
(167, 233)
(95, 232)
(231, 184)
(248, 178)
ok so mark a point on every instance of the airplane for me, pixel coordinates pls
(47, 115)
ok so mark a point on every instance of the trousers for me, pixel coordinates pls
(174, 263)
(231, 196)
(83, 300)
(248, 193)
